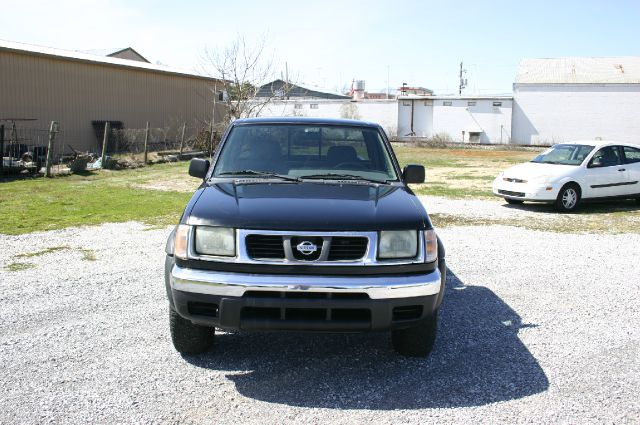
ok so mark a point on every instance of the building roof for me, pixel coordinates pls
(96, 59)
(276, 89)
(580, 70)
(118, 52)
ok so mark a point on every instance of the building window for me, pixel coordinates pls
(405, 103)
(497, 103)
(313, 106)
(447, 103)
(297, 106)
(471, 103)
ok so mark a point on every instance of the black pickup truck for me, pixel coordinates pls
(304, 224)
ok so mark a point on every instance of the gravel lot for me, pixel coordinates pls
(536, 327)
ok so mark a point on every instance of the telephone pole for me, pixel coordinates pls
(463, 81)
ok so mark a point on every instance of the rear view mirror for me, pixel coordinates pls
(413, 173)
(198, 167)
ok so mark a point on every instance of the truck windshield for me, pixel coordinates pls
(564, 154)
(305, 151)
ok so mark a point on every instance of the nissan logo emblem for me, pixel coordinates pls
(306, 248)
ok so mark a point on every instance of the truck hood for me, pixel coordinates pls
(307, 206)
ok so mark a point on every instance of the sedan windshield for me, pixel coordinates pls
(294, 152)
(564, 154)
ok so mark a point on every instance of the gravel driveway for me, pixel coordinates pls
(535, 327)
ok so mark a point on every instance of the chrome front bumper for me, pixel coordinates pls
(235, 284)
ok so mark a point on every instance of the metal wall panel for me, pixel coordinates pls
(75, 93)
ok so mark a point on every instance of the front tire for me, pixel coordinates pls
(568, 198)
(514, 201)
(418, 340)
(189, 338)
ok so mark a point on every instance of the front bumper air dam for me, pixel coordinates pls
(305, 303)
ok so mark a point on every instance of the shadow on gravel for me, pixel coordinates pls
(586, 208)
(478, 360)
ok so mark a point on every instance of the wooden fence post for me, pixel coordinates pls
(184, 125)
(146, 142)
(105, 141)
(53, 129)
(1, 149)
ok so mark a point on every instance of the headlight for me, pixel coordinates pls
(398, 244)
(219, 241)
(430, 246)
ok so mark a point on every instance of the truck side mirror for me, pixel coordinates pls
(413, 173)
(198, 167)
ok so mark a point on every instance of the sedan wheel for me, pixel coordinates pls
(568, 198)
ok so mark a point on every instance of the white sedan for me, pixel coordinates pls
(569, 173)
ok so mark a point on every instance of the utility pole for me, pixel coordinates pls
(463, 81)
(286, 85)
(388, 81)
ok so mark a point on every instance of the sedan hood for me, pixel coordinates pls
(307, 206)
(531, 170)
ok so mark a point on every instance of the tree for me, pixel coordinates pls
(243, 69)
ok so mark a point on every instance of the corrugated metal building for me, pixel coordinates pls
(562, 99)
(76, 88)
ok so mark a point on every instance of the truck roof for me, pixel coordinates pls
(304, 120)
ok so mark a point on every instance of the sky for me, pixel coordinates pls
(330, 43)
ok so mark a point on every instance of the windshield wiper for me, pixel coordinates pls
(336, 176)
(266, 174)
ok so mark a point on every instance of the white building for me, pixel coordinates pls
(476, 119)
(383, 112)
(564, 99)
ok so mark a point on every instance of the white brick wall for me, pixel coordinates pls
(547, 114)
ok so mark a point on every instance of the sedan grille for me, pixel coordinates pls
(510, 193)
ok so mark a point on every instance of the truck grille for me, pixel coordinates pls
(305, 311)
(265, 247)
(347, 248)
(272, 247)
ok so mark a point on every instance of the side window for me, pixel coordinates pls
(606, 157)
(631, 154)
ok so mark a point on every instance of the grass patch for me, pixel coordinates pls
(451, 191)
(17, 267)
(42, 252)
(465, 172)
(88, 255)
(103, 196)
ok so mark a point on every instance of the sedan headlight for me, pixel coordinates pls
(218, 241)
(398, 244)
